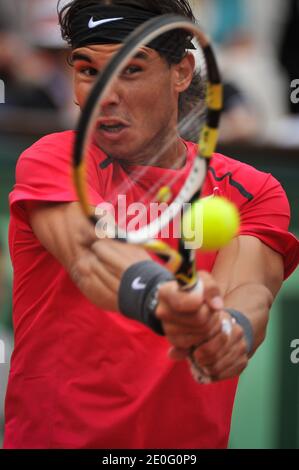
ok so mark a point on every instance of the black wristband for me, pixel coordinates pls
(137, 296)
(243, 321)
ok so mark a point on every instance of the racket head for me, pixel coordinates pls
(206, 134)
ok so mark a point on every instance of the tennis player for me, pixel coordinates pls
(84, 374)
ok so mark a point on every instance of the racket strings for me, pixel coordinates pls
(188, 124)
(167, 183)
(151, 199)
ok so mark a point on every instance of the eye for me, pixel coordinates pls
(88, 71)
(132, 70)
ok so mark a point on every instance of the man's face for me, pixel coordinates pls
(139, 114)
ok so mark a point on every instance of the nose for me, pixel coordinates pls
(112, 97)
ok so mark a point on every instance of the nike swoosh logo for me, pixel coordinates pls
(93, 24)
(137, 284)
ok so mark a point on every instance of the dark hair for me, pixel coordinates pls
(68, 11)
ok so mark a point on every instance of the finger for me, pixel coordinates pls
(212, 292)
(174, 299)
(198, 321)
(177, 354)
(232, 357)
(222, 360)
(220, 345)
(212, 350)
(203, 337)
(184, 341)
(203, 324)
(233, 371)
(191, 338)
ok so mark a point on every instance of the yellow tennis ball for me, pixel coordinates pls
(210, 224)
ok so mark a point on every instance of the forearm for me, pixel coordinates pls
(97, 286)
(254, 301)
(94, 265)
(98, 270)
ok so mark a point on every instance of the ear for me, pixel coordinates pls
(183, 73)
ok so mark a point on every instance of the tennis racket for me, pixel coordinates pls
(176, 188)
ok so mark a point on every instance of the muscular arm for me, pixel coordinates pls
(250, 275)
(94, 265)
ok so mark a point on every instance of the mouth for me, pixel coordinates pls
(111, 127)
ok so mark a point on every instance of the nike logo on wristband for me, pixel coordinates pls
(93, 24)
(137, 284)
